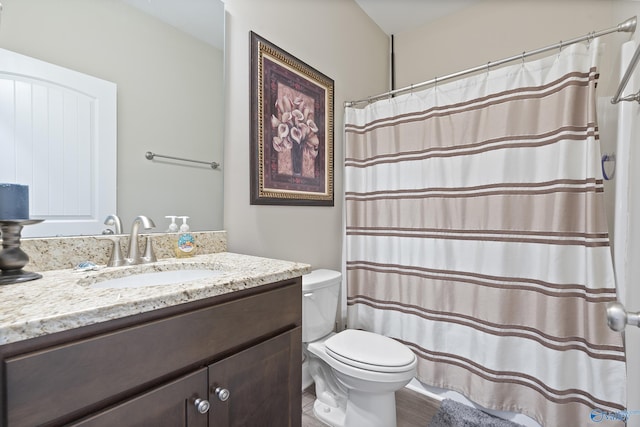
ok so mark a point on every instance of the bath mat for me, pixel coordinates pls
(456, 414)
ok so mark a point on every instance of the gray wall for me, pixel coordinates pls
(493, 29)
(338, 39)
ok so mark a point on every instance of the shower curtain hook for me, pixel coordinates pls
(435, 82)
(488, 67)
(560, 45)
(523, 55)
(590, 38)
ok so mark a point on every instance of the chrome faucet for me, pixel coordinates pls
(114, 220)
(133, 254)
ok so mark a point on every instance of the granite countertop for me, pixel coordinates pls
(64, 299)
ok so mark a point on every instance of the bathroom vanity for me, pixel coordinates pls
(225, 352)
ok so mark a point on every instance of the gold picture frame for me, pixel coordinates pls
(292, 129)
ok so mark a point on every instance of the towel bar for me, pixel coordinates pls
(149, 155)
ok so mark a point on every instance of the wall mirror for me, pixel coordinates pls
(166, 58)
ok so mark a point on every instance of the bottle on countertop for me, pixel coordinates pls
(173, 227)
(186, 244)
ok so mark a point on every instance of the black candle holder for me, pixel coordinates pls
(12, 258)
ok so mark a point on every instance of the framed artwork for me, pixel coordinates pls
(291, 129)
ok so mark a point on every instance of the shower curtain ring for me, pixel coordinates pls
(523, 55)
(590, 37)
(560, 46)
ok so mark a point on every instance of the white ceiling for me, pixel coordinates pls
(195, 16)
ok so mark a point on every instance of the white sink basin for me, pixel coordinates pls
(170, 277)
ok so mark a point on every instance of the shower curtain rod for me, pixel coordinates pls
(628, 26)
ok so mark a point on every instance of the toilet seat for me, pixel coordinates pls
(370, 351)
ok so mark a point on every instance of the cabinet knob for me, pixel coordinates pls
(222, 393)
(202, 405)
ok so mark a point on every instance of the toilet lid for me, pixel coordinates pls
(370, 351)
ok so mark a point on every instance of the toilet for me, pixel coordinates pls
(356, 373)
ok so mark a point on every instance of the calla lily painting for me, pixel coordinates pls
(292, 129)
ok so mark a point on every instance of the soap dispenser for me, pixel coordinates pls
(184, 227)
(173, 227)
(186, 244)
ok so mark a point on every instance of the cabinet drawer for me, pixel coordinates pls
(62, 382)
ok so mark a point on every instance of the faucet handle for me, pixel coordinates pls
(113, 220)
(149, 255)
(116, 259)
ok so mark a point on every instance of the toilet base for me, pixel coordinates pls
(363, 409)
(329, 415)
(371, 409)
(307, 380)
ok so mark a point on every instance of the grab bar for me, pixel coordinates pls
(149, 155)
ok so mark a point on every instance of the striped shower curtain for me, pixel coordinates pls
(476, 235)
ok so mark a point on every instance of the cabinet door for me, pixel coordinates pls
(170, 405)
(263, 383)
(75, 376)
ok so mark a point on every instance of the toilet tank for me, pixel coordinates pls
(320, 293)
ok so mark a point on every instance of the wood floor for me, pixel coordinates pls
(412, 409)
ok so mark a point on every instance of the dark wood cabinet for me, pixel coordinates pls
(257, 387)
(150, 369)
(173, 404)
